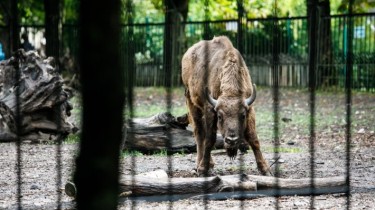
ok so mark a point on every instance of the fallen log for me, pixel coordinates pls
(165, 132)
(149, 185)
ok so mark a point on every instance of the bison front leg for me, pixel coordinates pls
(252, 137)
(196, 117)
(209, 142)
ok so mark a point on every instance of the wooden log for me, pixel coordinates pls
(148, 185)
(164, 132)
(270, 182)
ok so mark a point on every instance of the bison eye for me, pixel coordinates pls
(243, 116)
(219, 117)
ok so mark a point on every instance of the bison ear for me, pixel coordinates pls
(211, 100)
(251, 99)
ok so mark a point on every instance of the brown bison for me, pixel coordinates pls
(219, 95)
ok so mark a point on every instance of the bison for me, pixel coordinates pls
(219, 95)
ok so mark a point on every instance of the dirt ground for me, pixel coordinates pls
(39, 167)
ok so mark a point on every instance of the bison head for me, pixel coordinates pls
(232, 114)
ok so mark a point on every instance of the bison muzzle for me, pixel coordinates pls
(219, 96)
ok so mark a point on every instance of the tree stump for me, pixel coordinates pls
(31, 86)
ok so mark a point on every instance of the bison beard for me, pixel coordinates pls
(232, 153)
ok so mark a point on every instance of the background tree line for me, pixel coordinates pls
(33, 12)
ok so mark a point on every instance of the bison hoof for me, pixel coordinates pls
(194, 173)
(267, 172)
(201, 172)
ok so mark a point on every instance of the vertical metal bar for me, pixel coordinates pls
(240, 47)
(98, 160)
(16, 66)
(167, 63)
(348, 93)
(207, 31)
(313, 36)
(275, 92)
(58, 159)
(128, 44)
(240, 11)
(52, 19)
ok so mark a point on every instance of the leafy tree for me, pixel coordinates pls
(31, 12)
(359, 6)
(70, 11)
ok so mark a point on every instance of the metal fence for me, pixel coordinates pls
(257, 42)
(147, 42)
(345, 67)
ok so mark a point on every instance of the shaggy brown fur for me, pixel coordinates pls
(216, 67)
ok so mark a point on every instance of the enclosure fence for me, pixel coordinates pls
(147, 45)
(278, 53)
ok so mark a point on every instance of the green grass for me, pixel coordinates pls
(72, 139)
(151, 110)
(127, 153)
(150, 101)
(282, 150)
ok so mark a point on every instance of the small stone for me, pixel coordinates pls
(361, 131)
(291, 142)
(281, 161)
(34, 187)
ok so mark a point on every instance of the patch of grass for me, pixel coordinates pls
(151, 110)
(180, 154)
(236, 168)
(282, 150)
(72, 139)
(149, 101)
(161, 153)
(133, 153)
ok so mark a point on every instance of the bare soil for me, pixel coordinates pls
(39, 169)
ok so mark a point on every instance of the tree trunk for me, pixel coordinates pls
(174, 37)
(52, 21)
(327, 75)
(14, 26)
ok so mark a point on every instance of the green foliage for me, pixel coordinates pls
(72, 139)
(70, 11)
(31, 12)
(359, 6)
(143, 11)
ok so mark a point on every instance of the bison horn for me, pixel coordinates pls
(211, 100)
(251, 99)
